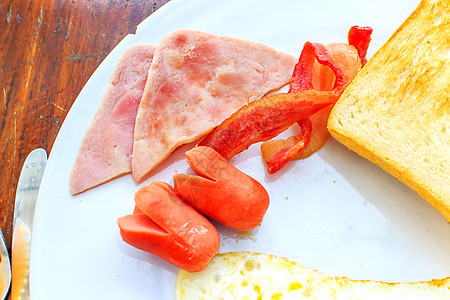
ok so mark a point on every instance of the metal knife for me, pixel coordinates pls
(26, 195)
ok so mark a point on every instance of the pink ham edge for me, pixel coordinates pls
(106, 149)
(195, 82)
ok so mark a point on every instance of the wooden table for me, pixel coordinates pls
(48, 50)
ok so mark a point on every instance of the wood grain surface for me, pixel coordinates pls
(48, 50)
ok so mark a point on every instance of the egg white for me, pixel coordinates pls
(245, 275)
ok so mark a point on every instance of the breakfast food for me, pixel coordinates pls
(319, 78)
(196, 81)
(264, 119)
(360, 37)
(165, 221)
(245, 275)
(222, 192)
(327, 68)
(106, 149)
(314, 70)
(396, 113)
(164, 225)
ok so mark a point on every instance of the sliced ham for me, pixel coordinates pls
(106, 149)
(196, 81)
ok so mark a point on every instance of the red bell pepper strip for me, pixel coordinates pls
(222, 192)
(164, 225)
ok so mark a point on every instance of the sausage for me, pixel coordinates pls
(222, 192)
(164, 225)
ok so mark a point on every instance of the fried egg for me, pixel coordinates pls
(245, 275)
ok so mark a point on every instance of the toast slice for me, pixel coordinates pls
(396, 112)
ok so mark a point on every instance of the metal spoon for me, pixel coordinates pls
(5, 268)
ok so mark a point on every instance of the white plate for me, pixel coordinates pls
(334, 211)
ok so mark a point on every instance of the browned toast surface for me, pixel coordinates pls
(396, 112)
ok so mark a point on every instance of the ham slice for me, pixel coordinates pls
(196, 81)
(106, 149)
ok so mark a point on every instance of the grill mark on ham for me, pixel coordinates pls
(196, 81)
(106, 149)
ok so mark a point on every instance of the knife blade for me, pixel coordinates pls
(26, 195)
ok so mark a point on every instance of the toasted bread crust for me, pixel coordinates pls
(396, 113)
